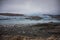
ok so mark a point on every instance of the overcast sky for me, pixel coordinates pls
(29, 6)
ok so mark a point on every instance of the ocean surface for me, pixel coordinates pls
(22, 20)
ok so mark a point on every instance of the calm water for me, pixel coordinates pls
(22, 20)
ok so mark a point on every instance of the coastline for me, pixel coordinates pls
(38, 31)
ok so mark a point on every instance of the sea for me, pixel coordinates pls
(22, 20)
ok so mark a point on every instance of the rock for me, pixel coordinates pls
(34, 18)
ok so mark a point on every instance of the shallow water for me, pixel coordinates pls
(22, 20)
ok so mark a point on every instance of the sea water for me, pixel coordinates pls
(22, 20)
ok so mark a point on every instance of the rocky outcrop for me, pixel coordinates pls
(34, 18)
(14, 32)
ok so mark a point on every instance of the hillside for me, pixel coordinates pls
(11, 14)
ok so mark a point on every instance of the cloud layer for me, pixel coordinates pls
(29, 6)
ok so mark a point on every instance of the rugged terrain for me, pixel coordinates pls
(45, 31)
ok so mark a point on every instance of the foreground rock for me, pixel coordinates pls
(31, 32)
(19, 37)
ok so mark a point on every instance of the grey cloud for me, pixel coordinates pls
(27, 6)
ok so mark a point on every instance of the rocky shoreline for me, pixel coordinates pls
(44, 30)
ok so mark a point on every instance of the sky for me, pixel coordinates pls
(29, 6)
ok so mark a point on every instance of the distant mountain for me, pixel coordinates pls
(11, 14)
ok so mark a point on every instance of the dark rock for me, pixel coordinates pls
(34, 18)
